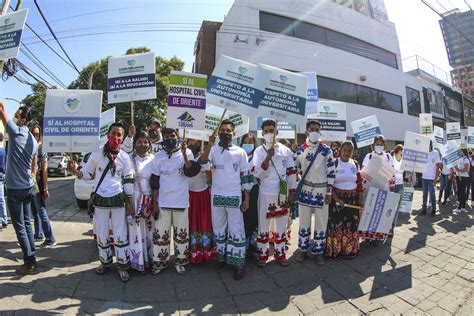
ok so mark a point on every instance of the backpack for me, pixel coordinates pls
(388, 156)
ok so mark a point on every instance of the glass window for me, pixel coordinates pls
(413, 101)
(309, 32)
(368, 96)
(390, 101)
(337, 90)
(276, 24)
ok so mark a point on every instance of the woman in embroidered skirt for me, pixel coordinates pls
(202, 247)
(342, 234)
(141, 228)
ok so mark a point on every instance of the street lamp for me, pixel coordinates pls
(11, 99)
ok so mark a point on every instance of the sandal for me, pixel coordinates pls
(180, 269)
(300, 255)
(261, 263)
(124, 276)
(239, 273)
(157, 270)
(283, 262)
(101, 269)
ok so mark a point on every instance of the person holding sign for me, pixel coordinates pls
(229, 178)
(314, 193)
(170, 169)
(274, 166)
(462, 180)
(154, 132)
(112, 172)
(379, 149)
(428, 179)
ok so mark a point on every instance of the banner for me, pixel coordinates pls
(365, 130)
(377, 173)
(107, 118)
(285, 130)
(285, 96)
(406, 201)
(332, 116)
(237, 85)
(426, 124)
(131, 78)
(11, 30)
(415, 152)
(453, 132)
(451, 154)
(312, 97)
(470, 137)
(186, 101)
(379, 213)
(72, 120)
(438, 136)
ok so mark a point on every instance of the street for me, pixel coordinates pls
(427, 268)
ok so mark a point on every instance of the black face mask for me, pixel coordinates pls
(195, 150)
(141, 149)
(170, 143)
(153, 133)
(225, 138)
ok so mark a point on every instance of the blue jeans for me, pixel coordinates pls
(3, 209)
(18, 201)
(444, 187)
(42, 224)
(428, 186)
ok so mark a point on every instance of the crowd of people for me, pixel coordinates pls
(215, 200)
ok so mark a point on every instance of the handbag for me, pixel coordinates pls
(91, 205)
(283, 185)
(144, 208)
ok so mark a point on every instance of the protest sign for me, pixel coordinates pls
(107, 118)
(470, 137)
(415, 152)
(285, 130)
(11, 30)
(365, 130)
(332, 116)
(451, 154)
(285, 96)
(312, 97)
(186, 101)
(237, 85)
(131, 78)
(406, 200)
(426, 124)
(72, 120)
(453, 132)
(380, 209)
(438, 136)
(377, 172)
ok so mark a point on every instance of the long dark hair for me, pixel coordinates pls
(248, 135)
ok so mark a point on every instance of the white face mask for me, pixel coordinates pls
(268, 138)
(314, 137)
(379, 149)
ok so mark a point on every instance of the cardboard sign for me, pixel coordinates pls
(377, 172)
(11, 30)
(470, 137)
(285, 130)
(451, 154)
(426, 124)
(438, 136)
(380, 209)
(406, 200)
(186, 101)
(415, 152)
(131, 78)
(107, 118)
(237, 85)
(312, 97)
(72, 120)
(453, 132)
(332, 116)
(285, 96)
(365, 130)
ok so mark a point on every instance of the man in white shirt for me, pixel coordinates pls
(431, 173)
(230, 176)
(273, 164)
(153, 130)
(110, 197)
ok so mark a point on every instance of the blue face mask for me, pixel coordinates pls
(248, 148)
(170, 143)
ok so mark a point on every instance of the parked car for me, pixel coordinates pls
(83, 190)
(58, 165)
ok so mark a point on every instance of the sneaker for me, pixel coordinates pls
(42, 239)
(26, 269)
(456, 210)
(180, 269)
(4, 225)
(48, 244)
(423, 212)
(101, 269)
(239, 273)
(319, 260)
(157, 270)
(433, 212)
(123, 273)
(464, 210)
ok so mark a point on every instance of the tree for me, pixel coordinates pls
(35, 102)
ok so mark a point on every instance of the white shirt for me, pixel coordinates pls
(198, 183)
(431, 166)
(94, 165)
(446, 171)
(346, 175)
(173, 191)
(143, 166)
(227, 166)
(284, 165)
(398, 171)
(386, 156)
(127, 146)
(465, 162)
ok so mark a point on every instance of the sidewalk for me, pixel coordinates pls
(428, 268)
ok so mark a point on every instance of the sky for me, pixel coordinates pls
(90, 30)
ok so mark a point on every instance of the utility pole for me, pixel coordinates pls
(5, 4)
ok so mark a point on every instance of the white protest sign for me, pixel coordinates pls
(415, 152)
(377, 172)
(285, 130)
(406, 201)
(131, 78)
(451, 154)
(453, 132)
(426, 124)
(237, 85)
(365, 130)
(312, 97)
(186, 101)
(438, 136)
(72, 120)
(379, 213)
(470, 137)
(285, 96)
(107, 118)
(11, 30)
(332, 116)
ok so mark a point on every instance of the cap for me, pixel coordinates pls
(154, 121)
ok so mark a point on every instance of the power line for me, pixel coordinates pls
(29, 54)
(33, 74)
